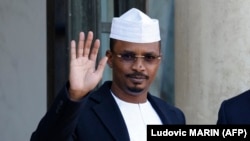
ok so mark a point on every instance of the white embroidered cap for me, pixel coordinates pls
(135, 26)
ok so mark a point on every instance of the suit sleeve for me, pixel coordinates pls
(60, 121)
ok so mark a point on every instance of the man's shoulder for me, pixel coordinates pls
(241, 99)
(162, 103)
(242, 96)
(174, 114)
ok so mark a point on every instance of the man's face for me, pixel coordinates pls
(134, 65)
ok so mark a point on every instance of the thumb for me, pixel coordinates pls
(101, 65)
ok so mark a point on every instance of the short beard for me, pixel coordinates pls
(135, 91)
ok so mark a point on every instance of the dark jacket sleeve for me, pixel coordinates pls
(60, 121)
(221, 115)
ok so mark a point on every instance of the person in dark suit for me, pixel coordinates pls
(120, 109)
(235, 110)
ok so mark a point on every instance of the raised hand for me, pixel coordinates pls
(83, 75)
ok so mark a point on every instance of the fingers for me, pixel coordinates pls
(95, 50)
(80, 44)
(84, 47)
(73, 50)
(88, 44)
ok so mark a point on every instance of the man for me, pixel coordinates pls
(235, 110)
(120, 109)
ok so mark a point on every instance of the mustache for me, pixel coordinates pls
(138, 75)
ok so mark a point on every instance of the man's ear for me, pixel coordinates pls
(109, 55)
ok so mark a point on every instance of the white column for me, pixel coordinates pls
(212, 55)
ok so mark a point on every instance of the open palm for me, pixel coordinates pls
(83, 75)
